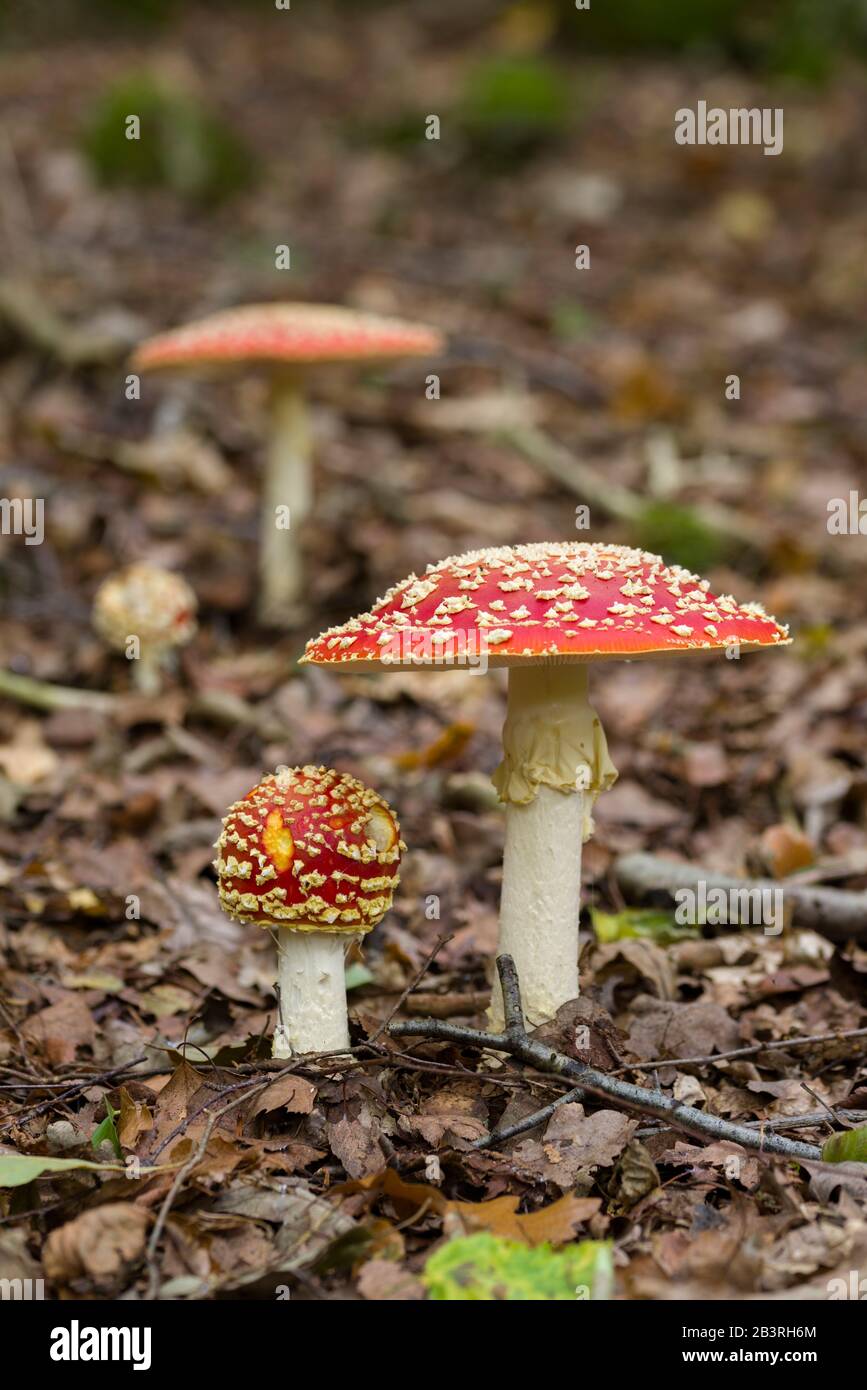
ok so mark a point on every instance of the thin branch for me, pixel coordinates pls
(529, 1121)
(70, 1093)
(44, 695)
(752, 1050)
(419, 976)
(249, 1086)
(516, 1043)
(835, 912)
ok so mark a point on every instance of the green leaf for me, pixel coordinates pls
(850, 1146)
(18, 1169)
(357, 975)
(647, 923)
(107, 1130)
(487, 1268)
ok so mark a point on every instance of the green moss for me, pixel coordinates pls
(679, 535)
(797, 38)
(181, 146)
(512, 106)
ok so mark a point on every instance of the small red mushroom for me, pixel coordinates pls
(288, 338)
(315, 854)
(546, 612)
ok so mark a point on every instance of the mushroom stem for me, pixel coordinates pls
(312, 993)
(539, 912)
(146, 675)
(286, 502)
(555, 762)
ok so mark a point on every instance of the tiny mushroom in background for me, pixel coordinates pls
(314, 853)
(144, 612)
(545, 611)
(290, 339)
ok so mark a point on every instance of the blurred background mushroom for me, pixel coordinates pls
(291, 339)
(146, 613)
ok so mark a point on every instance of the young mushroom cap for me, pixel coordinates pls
(147, 602)
(314, 853)
(311, 848)
(546, 611)
(153, 606)
(302, 334)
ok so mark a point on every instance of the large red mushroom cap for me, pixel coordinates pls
(287, 333)
(310, 849)
(550, 602)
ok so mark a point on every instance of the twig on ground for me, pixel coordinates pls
(847, 1119)
(249, 1085)
(179, 1180)
(529, 1122)
(419, 976)
(97, 1079)
(596, 488)
(836, 913)
(451, 1005)
(515, 1042)
(44, 695)
(711, 1058)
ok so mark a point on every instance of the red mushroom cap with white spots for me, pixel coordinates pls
(310, 849)
(299, 333)
(550, 602)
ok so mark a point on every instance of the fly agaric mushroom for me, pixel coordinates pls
(151, 606)
(545, 612)
(314, 853)
(290, 338)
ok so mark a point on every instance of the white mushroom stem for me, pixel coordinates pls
(286, 501)
(146, 671)
(555, 762)
(312, 993)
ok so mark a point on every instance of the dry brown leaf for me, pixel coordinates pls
(355, 1141)
(135, 1120)
(556, 1223)
(786, 850)
(575, 1143)
(61, 1029)
(287, 1093)
(664, 1028)
(455, 1114)
(385, 1281)
(100, 1246)
(28, 760)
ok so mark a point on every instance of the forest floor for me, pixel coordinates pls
(126, 992)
